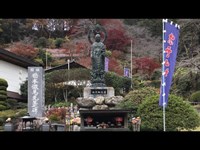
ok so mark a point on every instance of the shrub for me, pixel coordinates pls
(3, 88)
(3, 103)
(2, 121)
(2, 107)
(117, 82)
(21, 105)
(134, 98)
(13, 103)
(58, 42)
(156, 75)
(3, 92)
(179, 114)
(3, 82)
(24, 89)
(13, 114)
(155, 83)
(61, 104)
(195, 97)
(3, 97)
(42, 42)
(56, 114)
(185, 82)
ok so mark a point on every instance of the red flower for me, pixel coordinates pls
(119, 119)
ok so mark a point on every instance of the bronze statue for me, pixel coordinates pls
(98, 59)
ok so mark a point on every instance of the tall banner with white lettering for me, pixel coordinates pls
(170, 43)
(170, 47)
(36, 91)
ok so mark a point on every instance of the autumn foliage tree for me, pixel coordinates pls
(114, 66)
(24, 50)
(85, 61)
(145, 65)
(117, 39)
(77, 48)
(118, 54)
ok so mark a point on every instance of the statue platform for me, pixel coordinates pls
(98, 91)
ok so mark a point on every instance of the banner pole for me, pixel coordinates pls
(163, 77)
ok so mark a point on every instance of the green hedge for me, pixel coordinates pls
(3, 82)
(3, 92)
(3, 103)
(12, 103)
(179, 114)
(2, 107)
(21, 105)
(13, 114)
(3, 97)
(3, 87)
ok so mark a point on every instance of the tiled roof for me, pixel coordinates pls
(15, 59)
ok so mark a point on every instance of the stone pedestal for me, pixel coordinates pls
(46, 127)
(98, 91)
(8, 127)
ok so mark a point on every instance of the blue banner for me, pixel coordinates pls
(126, 72)
(171, 37)
(106, 64)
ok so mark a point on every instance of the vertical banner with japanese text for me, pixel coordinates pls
(126, 72)
(36, 91)
(170, 43)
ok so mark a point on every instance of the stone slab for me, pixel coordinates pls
(98, 91)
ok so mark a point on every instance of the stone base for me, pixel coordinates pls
(98, 91)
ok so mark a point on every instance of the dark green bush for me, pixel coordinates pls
(3, 88)
(134, 98)
(179, 114)
(13, 114)
(12, 103)
(3, 103)
(21, 105)
(3, 97)
(3, 92)
(2, 107)
(195, 97)
(58, 42)
(155, 83)
(2, 121)
(156, 75)
(3, 82)
(117, 82)
(185, 82)
(42, 42)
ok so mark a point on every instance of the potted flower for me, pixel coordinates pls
(119, 121)
(89, 120)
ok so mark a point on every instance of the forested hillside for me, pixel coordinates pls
(65, 39)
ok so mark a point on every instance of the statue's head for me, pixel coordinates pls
(97, 38)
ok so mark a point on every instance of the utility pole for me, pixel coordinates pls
(46, 58)
(131, 65)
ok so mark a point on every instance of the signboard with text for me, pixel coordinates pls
(36, 91)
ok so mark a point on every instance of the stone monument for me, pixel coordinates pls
(96, 37)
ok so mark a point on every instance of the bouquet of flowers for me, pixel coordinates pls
(76, 121)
